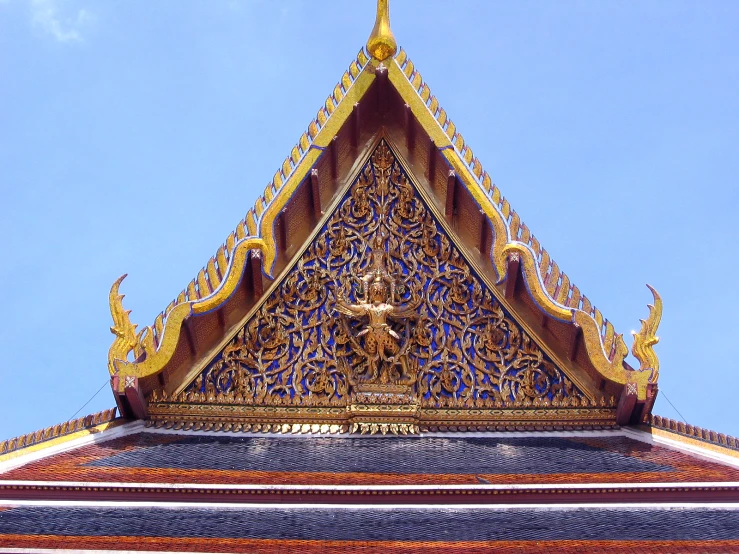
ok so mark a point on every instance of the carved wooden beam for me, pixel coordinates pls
(652, 390)
(255, 261)
(451, 186)
(135, 398)
(573, 344)
(514, 265)
(120, 398)
(410, 129)
(190, 338)
(381, 84)
(544, 320)
(334, 158)
(281, 225)
(432, 163)
(484, 228)
(644, 409)
(354, 129)
(626, 404)
(221, 318)
(315, 190)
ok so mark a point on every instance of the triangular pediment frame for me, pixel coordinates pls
(462, 358)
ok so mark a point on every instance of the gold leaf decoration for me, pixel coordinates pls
(646, 338)
(126, 339)
(459, 345)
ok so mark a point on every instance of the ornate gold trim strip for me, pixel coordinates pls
(549, 287)
(422, 490)
(346, 418)
(306, 428)
(218, 280)
(66, 431)
(694, 432)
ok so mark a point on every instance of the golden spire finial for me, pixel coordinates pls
(381, 42)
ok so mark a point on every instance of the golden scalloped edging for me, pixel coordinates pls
(552, 290)
(705, 435)
(57, 431)
(335, 429)
(219, 278)
(215, 489)
(160, 397)
(205, 414)
(210, 279)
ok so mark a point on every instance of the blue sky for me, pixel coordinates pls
(135, 135)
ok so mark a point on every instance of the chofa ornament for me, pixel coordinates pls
(126, 339)
(646, 338)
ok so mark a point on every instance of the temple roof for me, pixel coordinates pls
(132, 487)
(488, 460)
(382, 99)
(381, 285)
(269, 236)
(325, 529)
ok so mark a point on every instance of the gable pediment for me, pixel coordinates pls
(386, 94)
(382, 319)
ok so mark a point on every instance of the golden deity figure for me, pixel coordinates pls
(381, 343)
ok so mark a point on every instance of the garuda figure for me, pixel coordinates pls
(381, 348)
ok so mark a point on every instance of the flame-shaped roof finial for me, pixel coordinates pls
(381, 42)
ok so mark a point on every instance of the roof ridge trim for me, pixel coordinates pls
(550, 288)
(55, 431)
(154, 346)
(694, 432)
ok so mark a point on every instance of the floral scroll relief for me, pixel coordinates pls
(451, 338)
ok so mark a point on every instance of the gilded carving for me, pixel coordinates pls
(383, 303)
(557, 297)
(551, 288)
(380, 349)
(646, 338)
(381, 43)
(126, 339)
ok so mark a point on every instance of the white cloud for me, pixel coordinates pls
(46, 17)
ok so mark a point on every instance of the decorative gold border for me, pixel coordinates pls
(518, 490)
(549, 287)
(693, 435)
(338, 419)
(63, 432)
